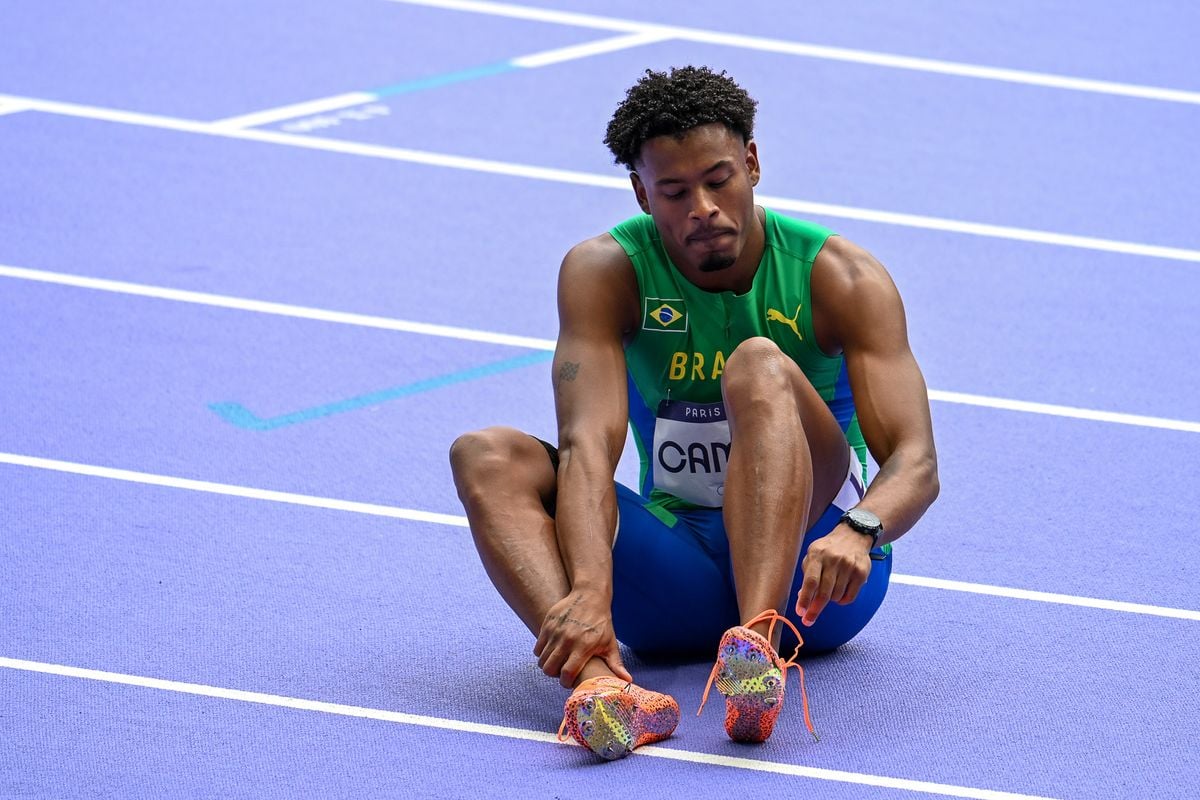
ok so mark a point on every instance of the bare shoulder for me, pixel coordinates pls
(596, 282)
(600, 259)
(853, 298)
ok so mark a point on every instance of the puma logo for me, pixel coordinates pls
(777, 316)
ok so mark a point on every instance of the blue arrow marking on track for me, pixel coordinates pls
(442, 80)
(237, 414)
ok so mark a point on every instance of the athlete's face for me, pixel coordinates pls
(700, 191)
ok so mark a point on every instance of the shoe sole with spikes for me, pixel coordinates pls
(611, 724)
(752, 682)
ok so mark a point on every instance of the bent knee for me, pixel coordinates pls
(757, 369)
(758, 358)
(487, 447)
(485, 459)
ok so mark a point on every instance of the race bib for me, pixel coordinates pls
(691, 451)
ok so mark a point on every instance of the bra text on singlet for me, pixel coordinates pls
(681, 366)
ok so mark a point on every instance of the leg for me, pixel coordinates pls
(506, 483)
(787, 460)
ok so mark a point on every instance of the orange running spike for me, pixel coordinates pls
(752, 677)
(611, 717)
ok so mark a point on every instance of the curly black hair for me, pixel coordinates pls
(670, 104)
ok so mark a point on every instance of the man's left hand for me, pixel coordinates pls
(836, 567)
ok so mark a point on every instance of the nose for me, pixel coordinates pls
(704, 206)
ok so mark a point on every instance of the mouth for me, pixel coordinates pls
(709, 236)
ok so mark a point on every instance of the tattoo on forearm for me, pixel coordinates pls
(568, 371)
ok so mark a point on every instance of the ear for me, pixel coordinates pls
(639, 191)
(752, 165)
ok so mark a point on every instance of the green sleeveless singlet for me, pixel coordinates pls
(676, 359)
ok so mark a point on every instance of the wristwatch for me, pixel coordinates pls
(865, 523)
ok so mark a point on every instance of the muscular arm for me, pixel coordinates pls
(857, 311)
(860, 313)
(596, 308)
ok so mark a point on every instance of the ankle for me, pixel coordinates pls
(763, 629)
(594, 668)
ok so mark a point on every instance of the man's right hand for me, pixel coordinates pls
(576, 629)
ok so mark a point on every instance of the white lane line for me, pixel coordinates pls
(588, 49)
(208, 487)
(980, 229)
(12, 108)
(570, 18)
(1050, 409)
(577, 178)
(466, 163)
(1047, 597)
(278, 309)
(304, 109)
(531, 342)
(115, 115)
(531, 61)
(382, 715)
(872, 58)
(371, 509)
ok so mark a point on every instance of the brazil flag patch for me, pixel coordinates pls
(665, 314)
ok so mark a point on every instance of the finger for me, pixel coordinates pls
(838, 593)
(552, 662)
(613, 659)
(858, 579)
(570, 669)
(820, 596)
(542, 640)
(814, 610)
(851, 594)
(830, 574)
(808, 589)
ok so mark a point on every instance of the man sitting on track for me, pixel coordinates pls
(756, 358)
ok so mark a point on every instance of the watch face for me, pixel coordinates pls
(864, 520)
